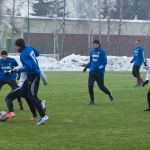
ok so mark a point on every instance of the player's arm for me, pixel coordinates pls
(104, 62)
(132, 59)
(36, 52)
(89, 64)
(143, 57)
(43, 77)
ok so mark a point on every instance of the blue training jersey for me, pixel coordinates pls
(98, 61)
(30, 64)
(6, 66)
(139, 57)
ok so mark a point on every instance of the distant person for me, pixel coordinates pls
(137, 61)
(97, 64)
(6, 64)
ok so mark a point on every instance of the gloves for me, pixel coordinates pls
(84, 70)
(131, 61)
(145, 64)
(7, 73)
(18, 77)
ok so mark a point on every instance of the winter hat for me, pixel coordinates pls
(3, 52)
(20, 43)
(96, 42)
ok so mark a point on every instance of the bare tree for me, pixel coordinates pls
(109, 23)
(1, 23)
(99, 16)
(120, 25)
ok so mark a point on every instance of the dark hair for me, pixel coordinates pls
(97, 42)
(3, 52)
(138, 41)
(20, 43)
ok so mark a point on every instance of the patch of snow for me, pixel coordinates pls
(76, 62)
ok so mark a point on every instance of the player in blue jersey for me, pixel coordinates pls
(6, 64)
(30, 87)
(137, 61)
(97, 64)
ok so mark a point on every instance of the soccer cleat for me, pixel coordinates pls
(111, 98)
(43, 103)
(9, 115)
(41, 120)
(33, 118)
(148, 109)
(91, 102)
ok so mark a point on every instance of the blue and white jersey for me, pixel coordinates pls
(98, 61)
(28, 59)
(139, 57)
(6, 66)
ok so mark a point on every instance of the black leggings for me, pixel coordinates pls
(29, 91)
(100, 81)
(148, 98)
(13, 85)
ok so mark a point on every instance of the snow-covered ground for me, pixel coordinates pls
(75, 62)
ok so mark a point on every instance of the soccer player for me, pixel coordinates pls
(148, 100)
(30, 87)
(147, 75)
(22, 77)
(97, 64)
(137, 61)
(6, 64)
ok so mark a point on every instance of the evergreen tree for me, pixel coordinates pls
(48, 8)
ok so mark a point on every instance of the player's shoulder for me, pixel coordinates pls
(102, 51)
(11, 59)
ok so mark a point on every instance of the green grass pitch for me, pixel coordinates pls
(75, 125)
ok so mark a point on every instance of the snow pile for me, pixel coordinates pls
(75, 63)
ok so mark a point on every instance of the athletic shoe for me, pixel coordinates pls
(91, 103)
(111, 98)
(33, 118)
(148, 109)
(9, 115)
(41, 120)
(43, 103)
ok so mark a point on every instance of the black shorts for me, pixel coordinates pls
(136, 71)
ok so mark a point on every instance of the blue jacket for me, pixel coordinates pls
(6, 66)
(139, 57)
(30, 64)
(98, 61)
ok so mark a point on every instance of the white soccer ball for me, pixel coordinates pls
(2, 116)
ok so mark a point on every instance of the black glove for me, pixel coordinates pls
(7, 73)
(18, 77)
(84, 70)
(145, 64)
(131, 61)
